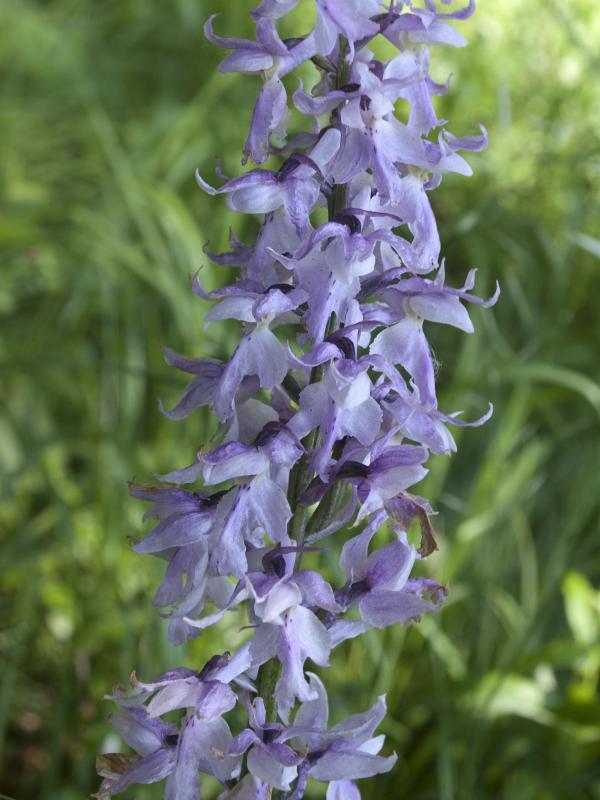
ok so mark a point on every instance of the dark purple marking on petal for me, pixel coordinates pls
(353, 469)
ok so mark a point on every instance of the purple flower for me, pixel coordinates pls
(269, 759)
(201, 743)
(379, 583)
(426, 26)
(289, 629)
(271, 56)
(182, 537)
(260, 266)
(294, 187)
(259, 353)
(339, 406)
(347, 751)
(256, 506)
(412, 301)
(347, 18)
(392, 471)
(201, 390)
(326, 410)
(425, 424)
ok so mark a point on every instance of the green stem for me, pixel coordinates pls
(267, 681)
(301, 475)
(343, 65)
(327, 507)
(305, 474)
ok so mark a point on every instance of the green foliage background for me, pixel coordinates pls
(106, 109)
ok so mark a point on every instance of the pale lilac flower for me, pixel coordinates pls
(201, 743)
(269, 759)
(273, 57)
(289, 629)
(326, 410)
(348, 18)
(345, 752)
(379, 584)
(295, 187)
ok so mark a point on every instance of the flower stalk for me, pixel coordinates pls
(301, 475)
(322, 437)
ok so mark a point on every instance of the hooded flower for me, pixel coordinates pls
(392, 470)
(289, 629)
(182, 537)
(256, 507)
(273, 58)
(200, 743)
(339, 406)
(380, 584)
(412, 301)
(348, 18)
(295, 187)
(345, 752)
(269, 759)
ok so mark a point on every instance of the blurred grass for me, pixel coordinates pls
(107, 108)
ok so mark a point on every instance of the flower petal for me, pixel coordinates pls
(350, 765)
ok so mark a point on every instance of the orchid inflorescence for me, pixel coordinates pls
(327, 431)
